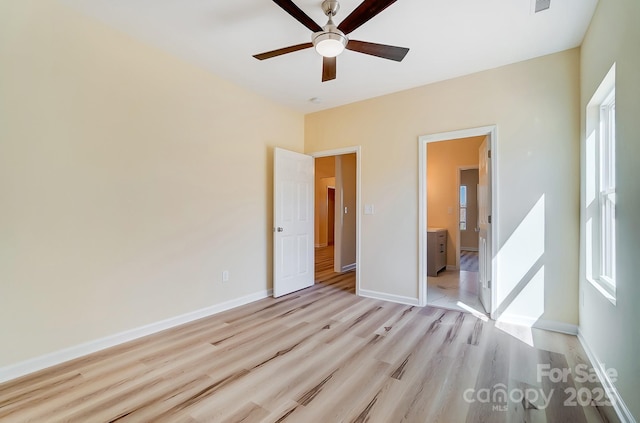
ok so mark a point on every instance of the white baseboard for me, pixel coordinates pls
(349, 267)
(555, 326)
(23, 368)
(550, 325)
(452, 267)
(623, 412)
(388, 297)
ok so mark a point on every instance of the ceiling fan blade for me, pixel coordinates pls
(379, 50)
(328, 68)
(361, 14)
(281, 51)
(298, 14)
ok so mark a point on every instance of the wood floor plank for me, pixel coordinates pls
(317, 355)
(494, 377)
(337, 398)
(105, 394)
(557, 408)
(448, 402)
(411, 381)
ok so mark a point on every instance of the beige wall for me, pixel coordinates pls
(325, 176)
(612, 331)
(128, 181)
(443, 161)
(345, 222)
(535, 107)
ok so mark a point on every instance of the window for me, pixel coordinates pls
(463, 207)
(607, 194)
(600, 188)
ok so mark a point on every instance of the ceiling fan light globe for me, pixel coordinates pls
(329, 43)
(329, 48)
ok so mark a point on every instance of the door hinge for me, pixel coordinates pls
(489, 284)
(489, 219)
(489, 153)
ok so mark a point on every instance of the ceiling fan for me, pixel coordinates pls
(331, 40)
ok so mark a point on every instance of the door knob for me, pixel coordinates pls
(280, 229)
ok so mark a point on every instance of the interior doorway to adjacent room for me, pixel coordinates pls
(455, 223)
(336, 216)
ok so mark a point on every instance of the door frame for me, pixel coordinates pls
(340, 152)
(458, 178)
(492, 132)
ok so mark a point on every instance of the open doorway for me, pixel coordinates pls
(452, 179)
(455, 220)
(295, 227)
(336, 219)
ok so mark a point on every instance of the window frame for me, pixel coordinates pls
(462, 206)
(599, 189)
(607, 193)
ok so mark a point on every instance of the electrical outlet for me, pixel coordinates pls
(225, 276)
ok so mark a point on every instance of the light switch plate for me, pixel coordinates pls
(369, 209)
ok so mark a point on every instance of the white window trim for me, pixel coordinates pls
(598, 123)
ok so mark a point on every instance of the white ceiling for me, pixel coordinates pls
(447, 38)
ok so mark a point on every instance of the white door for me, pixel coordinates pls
(484, 223)
(293, 261)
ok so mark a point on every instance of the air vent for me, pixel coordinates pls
(540, 5)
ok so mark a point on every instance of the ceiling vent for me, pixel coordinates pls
(540, 5)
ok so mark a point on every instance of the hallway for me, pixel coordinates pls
(325, 275)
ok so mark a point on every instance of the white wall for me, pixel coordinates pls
(535, 105)
(612, 332)
(129, 181)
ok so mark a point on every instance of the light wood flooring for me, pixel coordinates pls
(469, 261)
(318, 355)
(455, 290)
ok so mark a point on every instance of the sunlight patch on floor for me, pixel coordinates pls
(520, 332)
